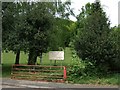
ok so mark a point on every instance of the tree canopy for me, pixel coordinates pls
(92, 39)
(28, 26)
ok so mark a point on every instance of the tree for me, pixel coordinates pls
(60, 37)
(32, 24)
(114, 51)
(92, 42)
(40, 20)
(11, 23)
(35, 32)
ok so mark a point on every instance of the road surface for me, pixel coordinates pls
(11, 83)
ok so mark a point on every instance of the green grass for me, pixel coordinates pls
(110, 79)
(9, 58)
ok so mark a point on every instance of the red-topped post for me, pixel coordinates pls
(65, 73)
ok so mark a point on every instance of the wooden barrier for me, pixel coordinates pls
(39, 73)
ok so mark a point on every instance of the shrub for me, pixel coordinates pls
(80, 68)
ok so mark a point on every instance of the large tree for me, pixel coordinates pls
(40, 20)
(39, 23)
(11, 23)
(92, 42)
(28, 26)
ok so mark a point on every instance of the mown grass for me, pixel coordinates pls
(8, 60)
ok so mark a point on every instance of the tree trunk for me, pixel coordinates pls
(17, 57)
(41, 58)
(55, 63)
(32, 57)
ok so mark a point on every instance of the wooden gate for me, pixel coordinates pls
(39, 73)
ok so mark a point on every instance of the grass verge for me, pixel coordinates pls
(110, 79)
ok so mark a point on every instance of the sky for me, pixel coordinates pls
(109, 6)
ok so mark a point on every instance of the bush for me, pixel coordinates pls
(80, 68)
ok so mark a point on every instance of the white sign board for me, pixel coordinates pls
(56, 55)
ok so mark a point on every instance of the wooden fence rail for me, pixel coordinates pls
(39, 73)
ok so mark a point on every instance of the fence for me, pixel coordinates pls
(39, 73)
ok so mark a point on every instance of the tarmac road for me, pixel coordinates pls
(10, 86)
(11, 83)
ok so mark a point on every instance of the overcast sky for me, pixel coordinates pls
(109, 6)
